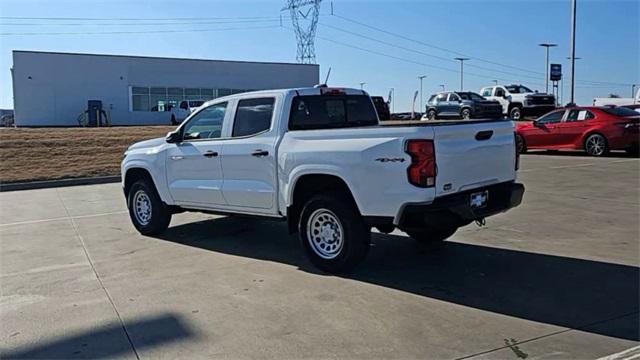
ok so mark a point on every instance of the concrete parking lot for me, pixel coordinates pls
(555, 278)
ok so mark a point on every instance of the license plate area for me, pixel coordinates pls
(478, 200)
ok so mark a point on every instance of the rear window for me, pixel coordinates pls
(620, 111)
(325, 112)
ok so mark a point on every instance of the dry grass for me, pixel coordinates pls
(57, 153)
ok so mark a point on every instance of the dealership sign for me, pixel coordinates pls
(556, 72)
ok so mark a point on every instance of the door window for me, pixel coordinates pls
(551, 118)
(500, 92)
(487, 91)
(442, 97)
(454, 97)
(206, 124)
(579, 115)
(253, 116)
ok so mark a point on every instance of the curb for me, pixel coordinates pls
(58, 183)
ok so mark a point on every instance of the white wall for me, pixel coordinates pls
(60, 84)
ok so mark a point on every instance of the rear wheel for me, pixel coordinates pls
(430, 235)
(596, 145)
(149, 214)
(465, 114)
(332, 232)
(431, 114)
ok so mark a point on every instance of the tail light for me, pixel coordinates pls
(515, 145)
(422, 171)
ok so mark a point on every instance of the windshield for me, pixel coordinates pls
(620, 111)
(518, 89)
(196, 103)
(471, 96)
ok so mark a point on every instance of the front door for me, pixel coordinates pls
(194, 168)
(574, 127)
(249, 157)
(546, 132)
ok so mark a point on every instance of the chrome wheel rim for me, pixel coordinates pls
(431, 115)
(595, 145)
(465, 114)
(515, 114)
(325, 234)
(142, 207)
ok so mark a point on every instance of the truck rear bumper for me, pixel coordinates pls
(456, 210)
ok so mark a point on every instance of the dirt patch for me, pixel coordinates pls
(28, 154)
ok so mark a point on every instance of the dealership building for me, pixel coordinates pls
(53, 89)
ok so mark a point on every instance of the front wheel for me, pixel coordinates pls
(596, 145)
(431, 115)
(432, 235)
(515, 113)
(148, 213)
(332, 232)
(520, 144)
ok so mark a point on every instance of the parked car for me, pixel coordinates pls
(519, 101)
(319, 159)
(461, 105)
(184, 109)
(593, 129)
(635, 107)
(382, 108)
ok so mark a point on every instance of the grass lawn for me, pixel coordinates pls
(28, 154)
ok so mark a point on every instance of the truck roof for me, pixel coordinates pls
(304, 91)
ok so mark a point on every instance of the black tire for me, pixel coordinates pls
(521, 145)
(515, 113)
(596, 145)
(465, 114)
(160, 214)
(432, 115)
(350, 236)
(432, 235)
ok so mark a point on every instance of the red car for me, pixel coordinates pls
(594, 129)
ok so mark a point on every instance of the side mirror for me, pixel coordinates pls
(173, 137)
(535, 123)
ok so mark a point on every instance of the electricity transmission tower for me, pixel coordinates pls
(304, 15)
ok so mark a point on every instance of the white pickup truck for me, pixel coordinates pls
(519, 101)
(319, 159)
(183, 110)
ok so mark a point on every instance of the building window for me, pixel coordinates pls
(157, 99)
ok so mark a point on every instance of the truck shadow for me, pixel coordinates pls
(109, 340)
(593, 296)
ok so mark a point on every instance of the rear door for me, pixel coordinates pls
(472, 155)
(249, 156)
(574, 126)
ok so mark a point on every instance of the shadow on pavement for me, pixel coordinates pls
(563, 291)
(576, 153)
(107, 341)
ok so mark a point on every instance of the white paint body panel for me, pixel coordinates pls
(265, 185)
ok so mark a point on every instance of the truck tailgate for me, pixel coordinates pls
(472, 155)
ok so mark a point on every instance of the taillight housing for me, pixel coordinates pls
(422, 171)
(515, 146)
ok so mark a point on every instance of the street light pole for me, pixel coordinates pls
(495, 82)
(393, 99)
(442, 86)
(633, 91)
(574, 58)
(421, 77)
(462, 60)
(362, 85)
(573, 49)
(547, 46)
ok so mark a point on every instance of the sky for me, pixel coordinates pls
(385, 44)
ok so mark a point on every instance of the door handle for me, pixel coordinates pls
(177, 157)
(210, 154)
(260, 153)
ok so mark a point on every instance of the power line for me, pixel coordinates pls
(138, 32)
(134, 19)
(276, 19)
(462, 54)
